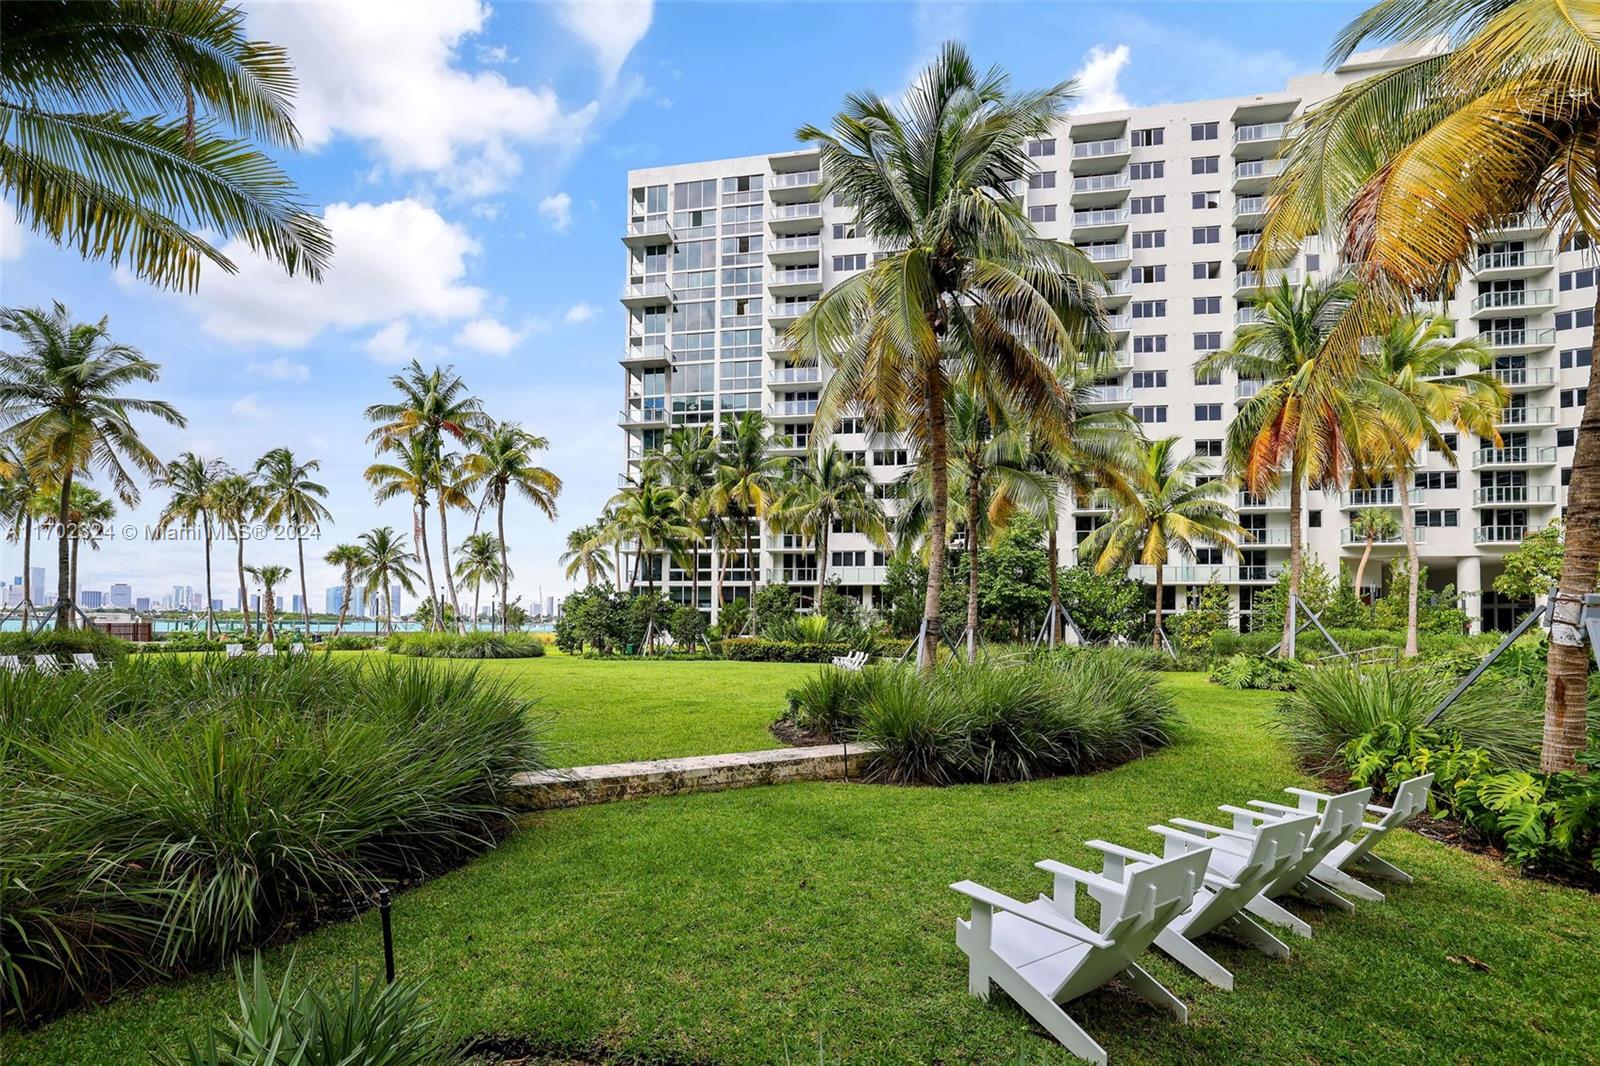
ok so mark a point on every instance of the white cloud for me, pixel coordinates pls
(12, 233)
(933, 22)
(393, 260)
(1097, 80)
(493, 55)
(392, 343)
(489, 336)
(579, 313)
(609, 27)
(556, 209)
(280, 369)
(386, 74)
(247, 407)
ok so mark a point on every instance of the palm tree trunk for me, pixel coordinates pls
(344, 604)
(64, 555)
(420, 520)
(974, 500)
(271, 610)
(1408, 531)
(305, 599)
(1566, 689)
(77, 543)
(244, 593)
(1055, 583)
(477, 593)
(750, 572)
(1361, 567)
(938, 461)
(388, 606)
(822, 565)
(449, 577)
(505, 570)
(1155, 635)
(1296, 503)
(211, 619)
(27, 564)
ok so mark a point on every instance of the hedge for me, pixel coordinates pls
(761, 650)
(64, 642)
(480, 645)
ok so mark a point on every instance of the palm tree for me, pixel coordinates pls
(651, 516)
(503, 465)
(965, 283)
(191, 479)
(62, 407)
(480, 561)
(688, 463)
(88, 515)
(349, 558)
(386, 562)
(825, 488)
(452, 480)
(85, 167)
(1303, 416)
(1165, 506)
(236, 501)
(269, 576)
(19, 503)
(746, 482)
(587, 554)
(410, 475)
(1372, 524)
(1414, 166)
(1402, 385)
(290, 497)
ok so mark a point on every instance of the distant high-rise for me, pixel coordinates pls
(121, 594)
(294, 604)
(91, 599)
(255, 603)
(549, 606)
(395, 601)
(142, 604)
(333, 599)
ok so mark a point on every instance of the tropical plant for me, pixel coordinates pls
(349, 558)
(1533, 567)
(824, 488)
(480, 560)
(410, 475)
(62, 407)
(269, 576)
(588, 554)
(450, 490)
(688, 462)
(747, 478)
(89, 516)
(386, 562)
(127, 136)
(1417, 165)
(650, 516)
(236, 501)
(965, 285)
(191, 480)
(290, 498)
(19, 506)
(1371, 524)
(502, 463)
(1167, 505)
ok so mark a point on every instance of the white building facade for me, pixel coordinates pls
(1169, 202)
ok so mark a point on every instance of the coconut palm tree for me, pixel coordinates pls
(235, 503)
(269, 576)
(1303, 419)
(965, 284)
(1410, 385)
(1412, 167)
(127, 136)
(386, 562)
(688, 462)
(88, 516)
(480, 561)
(62, 406)
(747, 478)
(20, 497)
(452, 481)
(410, 475)
(1165, 507)
(502, 465)
(289, 497)
(191, 479)
(1372, 524)
(828, 487)
(349, 558)
(650, 515)
(587, 554)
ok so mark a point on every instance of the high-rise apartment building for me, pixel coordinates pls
(1168, 201)
(121, 594)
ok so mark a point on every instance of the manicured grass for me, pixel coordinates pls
(727, 928)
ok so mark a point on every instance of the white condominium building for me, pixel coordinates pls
(1169, 202)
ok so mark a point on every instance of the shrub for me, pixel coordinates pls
(66, 642)
(1256, 672)
(761, 650)
(687, 626)
(828, 703)
(733, 617)
(475, 645)
(351, 642)
(774, 604)
(169, 811)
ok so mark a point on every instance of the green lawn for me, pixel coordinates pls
(725, 928)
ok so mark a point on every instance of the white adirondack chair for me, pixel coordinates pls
(1355, 855)
(85, 661)
(47, 664)
(1043, 957)
(297, 648)
(266, 651)
(854, 661)
(1220, 901)
(233, 651)
(13, 663)
(1340, 818)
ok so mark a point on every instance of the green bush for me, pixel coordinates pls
(351, 642)
(761, 650)
(687, 626)
(169, 811)
(1256, 672)
(828, 703)
(475, 645)
(62, 643)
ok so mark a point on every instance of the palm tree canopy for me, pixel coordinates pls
(651, 516)
(747, 472)
(348, 557)
(192, 480)
(125, 132)
(433, 403)
(1374, 523)
(268, 575)
(236, 500)
(587, 552)
(478, 559)
(503, 465)
(410, 475)
(825, 488)
(387, 560)
(1169, 505)
(290, 495)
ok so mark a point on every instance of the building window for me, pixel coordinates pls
(1574, 397)
(1208, 342)
(1202, 131)
(1209, 447)
(1207, 235)
(1314, 519)
(1042, 213)
(1580, 319)
(1044, 179)
(1566, 438)
(1574, 358)
(1313, 262)
(1147, 171)
(1149, 379)
(1209, 271)
(1147, 205)
(1149, 138)
(1149, 414)
(1044, 146)
(1149, 309)
(1205, 201)
(1577, 279)
(1149, 275)
(1208, 412)
(852, 425)
(844, 231)
(1204, 164)
(1208, 305)
(844, 263)
(1435, 479)
(1150, 343)
(1437, 519)
(1208, 377)
(1150, 238)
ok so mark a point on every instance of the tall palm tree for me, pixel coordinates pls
(290, 497)
(1165, 507)
(85, 167)
(587, 554)
(452, 479)
(1410, 385)
(62, 406)
(650, 515)
(480, 561)
(1304, 417)
(502, 465)
(1413, 167)
(88, 516)
(386, 562)
(965, 283)
(236, 502)
(825, 488)
(191, 480)
(688, 462)
(411, 475)
(1372, 524)
(747, 477)
(19, 504)
(269, 576)
(349, 558)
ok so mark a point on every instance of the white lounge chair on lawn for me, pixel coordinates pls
(1355, 855)
(47, 664)
(85, 661)
(233, 651)
(266, 651)
(1043, 957)
(854, 661)
(13, 663)
(1340, 818)
(297, 648)
(1220, 901)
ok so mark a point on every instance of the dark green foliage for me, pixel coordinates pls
(774, 605)
(904, 585)
(1436, 608)
(1192, 630)
(350, 642)
(761, 650)
(1105, 605)
(601, 619)
(64, 643)
(1311, 645)
(687, 626)
(732, 618)
(168, 811)
(483, 644)
(1014, 581)
(829, 702)
(1256, 672)
(1533, 566)
(838, 607)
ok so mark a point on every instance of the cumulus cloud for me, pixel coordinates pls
(556, 209)
(12, 233)
(392, 260)
(579, 313)
(279, 369)
(388, 75)
(247, 407)
(1097, 80)
(489, 336)
(609, 27)
(392, 343)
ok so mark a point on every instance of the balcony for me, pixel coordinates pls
(778, 343)
(782, 312)
(1096, 190)
(1246, 316)
(1116, 292)
(1512, 302)
(1264, 538)
(1526, 417)
(792, 409)
(1351, 537)
(1257, 140)
(1101, 397)
(795, 185)
(641, 416)
(1382, 496)
(1513, 458)
(845, 575)
(1523, 378)
(793, 250)
(1245, 245)
(1527, 224)
(1250, 281)
(1514, 496)
(797, 375)
(648, 294)
(1490, 536)
(1255, 175)
(1246, 389)
(795, 218)
(1519, 341)
(1108, 257)
(1102, 155)
(645, 232)
(1492, 265)
(1272, 501)
(1201, 574)
(1098, 223)
(1249, 210)
(647, 353)
(1119, 326)
(794, 281)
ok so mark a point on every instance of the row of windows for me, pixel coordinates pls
(1583, 318)
(1577, 279)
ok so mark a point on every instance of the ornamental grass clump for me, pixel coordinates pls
(167, 812)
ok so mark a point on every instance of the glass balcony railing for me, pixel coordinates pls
(1506, 299)
(1098, 149)
(1513, 495)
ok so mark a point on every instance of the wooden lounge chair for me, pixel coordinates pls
(1219, 903)
(1355, 855)
(47, 664)
(233, 651)
(1043, 957)
(85, 661)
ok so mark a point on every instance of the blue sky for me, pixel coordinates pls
(471, 160)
